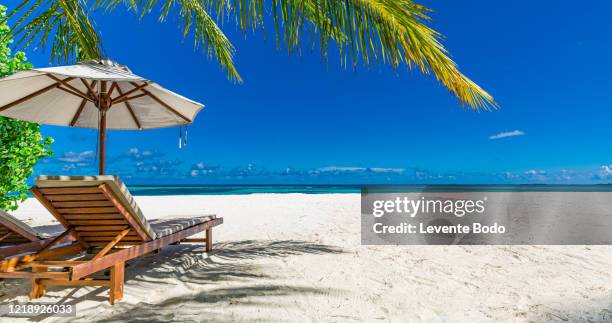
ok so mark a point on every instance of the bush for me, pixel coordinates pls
(21, 143)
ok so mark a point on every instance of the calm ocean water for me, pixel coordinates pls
(329, 189)
(240, 189)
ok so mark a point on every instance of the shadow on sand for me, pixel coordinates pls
(230, 263)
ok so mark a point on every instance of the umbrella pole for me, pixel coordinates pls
(102, 142)
(103, 105)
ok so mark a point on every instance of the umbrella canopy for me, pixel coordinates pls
(93, 94)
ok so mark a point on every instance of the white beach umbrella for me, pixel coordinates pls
(97, 94)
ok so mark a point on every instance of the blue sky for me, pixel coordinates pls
(296, 119)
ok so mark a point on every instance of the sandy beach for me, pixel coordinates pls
(297, 257)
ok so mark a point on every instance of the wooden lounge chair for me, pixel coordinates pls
(109, 229)
(17, 237)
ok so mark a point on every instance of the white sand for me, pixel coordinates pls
(296, 257)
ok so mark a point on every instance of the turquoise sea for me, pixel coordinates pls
(240, 189)
(329, 189)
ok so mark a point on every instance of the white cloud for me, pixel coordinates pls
(606, 169)
(510, 175)
(74, 161)
(138, 154)
(535, 175)
(341, 169)
(344, 169)
(200, 169)
(387, 170)
(507, 134)
(75, 157)
(533, 172)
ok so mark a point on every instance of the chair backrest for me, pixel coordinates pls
(97, 207)
(14, 232)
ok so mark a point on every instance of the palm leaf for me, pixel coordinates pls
(66, 22)
(393, 32)
(195, 17)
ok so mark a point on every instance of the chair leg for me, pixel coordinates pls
(38, 289)
(116, 282)
(209, 240)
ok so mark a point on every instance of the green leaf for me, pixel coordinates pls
(21, 143)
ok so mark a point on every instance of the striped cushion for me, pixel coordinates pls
(165, 227)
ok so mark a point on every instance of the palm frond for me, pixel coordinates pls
(195, 17)
(206, 33)
(403, 22)
(393, 32)
(66, 22)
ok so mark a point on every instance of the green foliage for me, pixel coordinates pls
(21, 143)
(393, 32)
